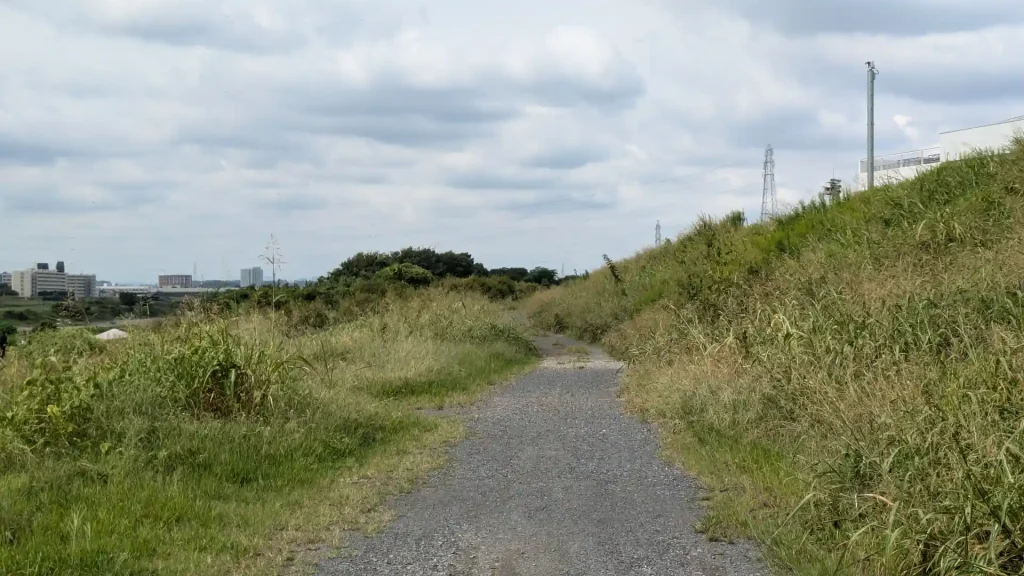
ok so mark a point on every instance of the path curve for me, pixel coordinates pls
(554, 479)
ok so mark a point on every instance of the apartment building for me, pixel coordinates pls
(174, 281)
(5, 278)
(252, 277)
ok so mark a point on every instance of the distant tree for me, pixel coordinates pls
(128, 299)
(361, 265)
(517, 274)
(439, 264)
(406, 273)
(480, 270)
(543, 276)
(6, 290)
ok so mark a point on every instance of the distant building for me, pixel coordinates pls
(252, 277)
(34, 282)
(174, 281)
(60, 266)
(5, 278)
(82, 285)
(31, 283)
(953, 145)
(42, 266)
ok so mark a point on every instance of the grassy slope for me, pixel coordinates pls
(145, 456)
(848, 382)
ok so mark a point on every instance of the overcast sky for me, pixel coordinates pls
(142, 137)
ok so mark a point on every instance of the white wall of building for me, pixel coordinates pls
(895, 168)
(953, 145)
(956, 143)
(21, 282)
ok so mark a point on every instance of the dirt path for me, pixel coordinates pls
(553, 480)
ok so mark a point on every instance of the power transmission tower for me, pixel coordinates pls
(657, 233)
(769, 200)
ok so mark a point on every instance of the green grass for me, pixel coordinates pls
(848, 381)
(212, 445)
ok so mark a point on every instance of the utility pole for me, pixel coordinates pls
(872, 73)
(657, 233)
(769, 198)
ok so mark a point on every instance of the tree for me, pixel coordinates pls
(361, 265)
(406, 273)
(543, 276)
(517, 274)
(128, 299)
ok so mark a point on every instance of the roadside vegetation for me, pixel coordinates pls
(35, 312)
(848, 380)
(240, 434)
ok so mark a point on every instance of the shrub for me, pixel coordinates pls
(405, 273)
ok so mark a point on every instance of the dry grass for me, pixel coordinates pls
(847, 381)
(214, 445)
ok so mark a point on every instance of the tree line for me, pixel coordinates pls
(440, 265)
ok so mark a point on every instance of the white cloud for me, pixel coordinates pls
(145, 136)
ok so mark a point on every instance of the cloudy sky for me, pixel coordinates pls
(140, 137)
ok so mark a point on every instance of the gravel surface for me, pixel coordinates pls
(553, 480)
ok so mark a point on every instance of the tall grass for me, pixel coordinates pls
(849, 380)
(213, 443)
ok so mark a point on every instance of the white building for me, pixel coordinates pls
(114, 290)
(252, 277)
(33, 282)
(953, 145)
(83, 286)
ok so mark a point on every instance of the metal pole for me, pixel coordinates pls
(872, 72)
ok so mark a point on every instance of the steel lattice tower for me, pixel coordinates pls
(769, 200)
(657, 233)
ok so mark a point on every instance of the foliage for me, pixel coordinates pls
(406, 273)
(216, 439)
(846, 378)
(495, 288)
(129, 299)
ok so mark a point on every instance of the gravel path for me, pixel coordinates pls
(553, 480)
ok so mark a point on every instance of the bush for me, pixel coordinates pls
(493, 287)
(406, 274)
